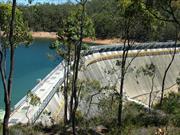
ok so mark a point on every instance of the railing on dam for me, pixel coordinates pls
(45, 90)
(37, 86)
(137, 46)
(46, 101)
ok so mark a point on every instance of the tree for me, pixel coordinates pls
(130, 10)
(150, 71)
(33, 100)
(105, 18)
(14, 32)
(53, 14)
(75, 28)
(8, 85)
(83, 26)
(64, 49)
(167, 11)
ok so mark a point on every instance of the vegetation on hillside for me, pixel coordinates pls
(135, 118)
(106, 16)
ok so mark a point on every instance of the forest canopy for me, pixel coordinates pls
(107, 17)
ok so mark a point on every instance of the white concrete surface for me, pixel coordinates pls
(42, 90)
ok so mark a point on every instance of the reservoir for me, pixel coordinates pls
(31, 64)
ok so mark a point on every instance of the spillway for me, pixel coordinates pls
(137, 86)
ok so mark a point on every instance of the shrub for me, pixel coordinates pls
(152, 119)
(176, 120)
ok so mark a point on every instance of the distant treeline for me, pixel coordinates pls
(106, 15)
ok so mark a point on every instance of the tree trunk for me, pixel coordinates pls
(75, 73)
(6, 119)
(72, 90)
(123, 72)
(124, 56)
(150, 94)
(7, 96)
(74, 95)
(67, 82)
(167, 69)
(28, 116)
(65, 94)
(120, 103)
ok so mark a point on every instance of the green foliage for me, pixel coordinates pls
(171, 106)
(70, 32)
(108, 17)
(61, 49)
(147, 70)
(48, 16)
(85, 46)
(176, 119)
(21, 33)
(171, 103)
(24, 130)
(89, 86)
(72, 26)
(178, 80)
(164, 8)
(105, 18)
(34, 100)
(152, 119)
(135, 118)
(167, 12)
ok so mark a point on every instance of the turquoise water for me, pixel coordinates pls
(31, 63)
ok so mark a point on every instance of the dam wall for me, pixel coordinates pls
(105, 68)
(48, 90)
(53, 112)
(137, 85)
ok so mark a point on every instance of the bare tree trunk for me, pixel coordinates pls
(66, 88)
(123, 72)
(167, 69)
(6, 119)
(72, 90)
(7, 96)
(150, 94)
(77, 59)
(28, 116)
(74, 94)
(124, 57)
(65, 94)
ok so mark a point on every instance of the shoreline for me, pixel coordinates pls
(52, 35)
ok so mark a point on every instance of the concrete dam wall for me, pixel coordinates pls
(137, 86)
(53, 111)
(103, 65)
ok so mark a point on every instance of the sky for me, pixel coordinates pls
(25, 2)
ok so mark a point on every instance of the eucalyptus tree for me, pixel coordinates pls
(33, 100)
(149, 70)
(76, 27)
(166, 11)
(171, 9)
(13, 32)
(64, 49)
(82, 28)
(130, 10)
